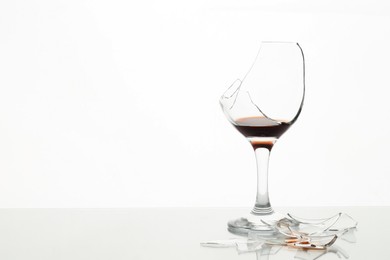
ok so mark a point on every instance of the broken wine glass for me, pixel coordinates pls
(262, 106)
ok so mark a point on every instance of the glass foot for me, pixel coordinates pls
(252, 223)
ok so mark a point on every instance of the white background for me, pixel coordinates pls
(115, 103)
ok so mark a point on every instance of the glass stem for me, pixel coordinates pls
(262, 205)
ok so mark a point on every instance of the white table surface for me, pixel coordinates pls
(163, 233)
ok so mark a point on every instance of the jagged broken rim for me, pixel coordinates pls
(229, 97)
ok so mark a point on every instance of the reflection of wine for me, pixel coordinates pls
(261, 131)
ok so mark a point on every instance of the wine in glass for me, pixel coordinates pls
(262, 106)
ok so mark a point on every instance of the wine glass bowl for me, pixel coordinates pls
(262, 107)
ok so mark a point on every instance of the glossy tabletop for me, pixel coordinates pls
(165, 233)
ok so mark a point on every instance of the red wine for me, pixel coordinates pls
(261, 131)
